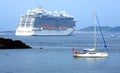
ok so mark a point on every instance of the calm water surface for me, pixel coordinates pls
(56, 55)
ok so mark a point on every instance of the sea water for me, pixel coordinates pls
(53, 54)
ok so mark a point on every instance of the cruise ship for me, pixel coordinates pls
(39, 21)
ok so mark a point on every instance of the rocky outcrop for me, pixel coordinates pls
(12, 44)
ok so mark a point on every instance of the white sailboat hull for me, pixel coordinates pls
(92, 55)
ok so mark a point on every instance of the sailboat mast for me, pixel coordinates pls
(95, 30)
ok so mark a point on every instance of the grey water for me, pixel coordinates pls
(53, 54)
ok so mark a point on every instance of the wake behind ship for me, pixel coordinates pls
(42, 22)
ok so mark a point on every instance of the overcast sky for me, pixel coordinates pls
(83, 10)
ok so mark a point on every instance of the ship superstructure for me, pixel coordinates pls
(42, 22)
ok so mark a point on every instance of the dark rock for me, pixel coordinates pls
(40, 48)
(11, 44)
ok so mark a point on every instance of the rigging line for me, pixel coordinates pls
(105, 45)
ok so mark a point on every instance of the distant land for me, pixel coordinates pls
(104, 28)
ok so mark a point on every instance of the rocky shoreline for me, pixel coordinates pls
(12, 44)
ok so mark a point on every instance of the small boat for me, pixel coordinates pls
(92, 53)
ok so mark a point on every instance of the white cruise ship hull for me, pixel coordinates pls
(30, 32)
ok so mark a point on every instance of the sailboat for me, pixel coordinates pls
(92, 53)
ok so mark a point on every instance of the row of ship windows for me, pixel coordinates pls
(27, 20)
(27, 17)
(23, 21)
(24, 31)
(26, 23)
(54, 29)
